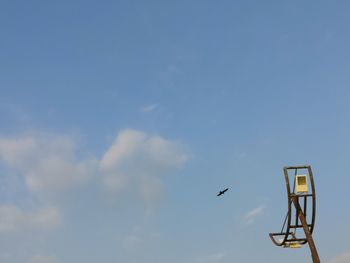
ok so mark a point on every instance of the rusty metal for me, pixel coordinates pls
(303, 219)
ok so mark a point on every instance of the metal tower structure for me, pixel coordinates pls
(301, 211)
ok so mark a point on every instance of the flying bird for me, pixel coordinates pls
(222, 192)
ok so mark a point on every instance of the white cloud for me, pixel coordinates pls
(138, 159)
(48, 166)
(126, 144)
(251, 216)
(48, 163)
(343, 258)
(43, 259)
(148, 108)
(13, 219)
(43, 164)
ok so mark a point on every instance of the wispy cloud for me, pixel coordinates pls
(343, 258)
(216, 257)
(149, 108)
(211, 258)
(251, 216)
(132, 241)
(13, 219)
(138, 239)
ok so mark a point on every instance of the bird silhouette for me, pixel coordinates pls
(222, 192)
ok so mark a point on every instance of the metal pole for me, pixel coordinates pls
(308, 235)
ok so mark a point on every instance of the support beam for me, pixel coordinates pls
(308, 235)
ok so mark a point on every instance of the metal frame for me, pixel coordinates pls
(290, 238)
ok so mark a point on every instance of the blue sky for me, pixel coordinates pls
(121, 120)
